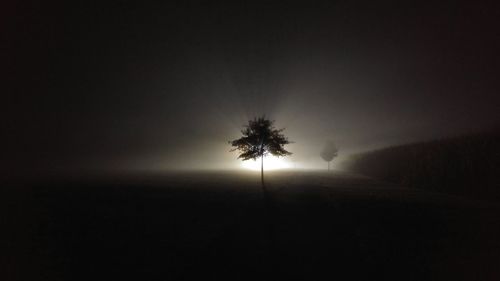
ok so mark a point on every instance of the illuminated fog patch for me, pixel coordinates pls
(270, 163)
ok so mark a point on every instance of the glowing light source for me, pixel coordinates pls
(270, 163)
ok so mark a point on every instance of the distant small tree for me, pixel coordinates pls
(329, 152)
(260, 138)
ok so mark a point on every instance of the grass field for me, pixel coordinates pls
(218, 225)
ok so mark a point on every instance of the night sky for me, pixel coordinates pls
(166, 85)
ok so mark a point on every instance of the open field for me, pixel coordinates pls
(217, 225)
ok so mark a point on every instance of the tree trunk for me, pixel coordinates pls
(262, 172)
(328, 165)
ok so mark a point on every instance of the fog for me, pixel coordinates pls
(165, 87)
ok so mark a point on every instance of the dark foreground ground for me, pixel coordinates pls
(215, 226)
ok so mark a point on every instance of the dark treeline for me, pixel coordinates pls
(467, 165)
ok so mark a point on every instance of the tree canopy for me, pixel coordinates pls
(259, 139)
(329, 151)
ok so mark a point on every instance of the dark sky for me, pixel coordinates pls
(137, 85)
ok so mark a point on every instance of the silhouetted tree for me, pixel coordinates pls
(260, 138)
(329, 152)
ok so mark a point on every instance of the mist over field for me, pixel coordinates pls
(250, 140)
(165, 86)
